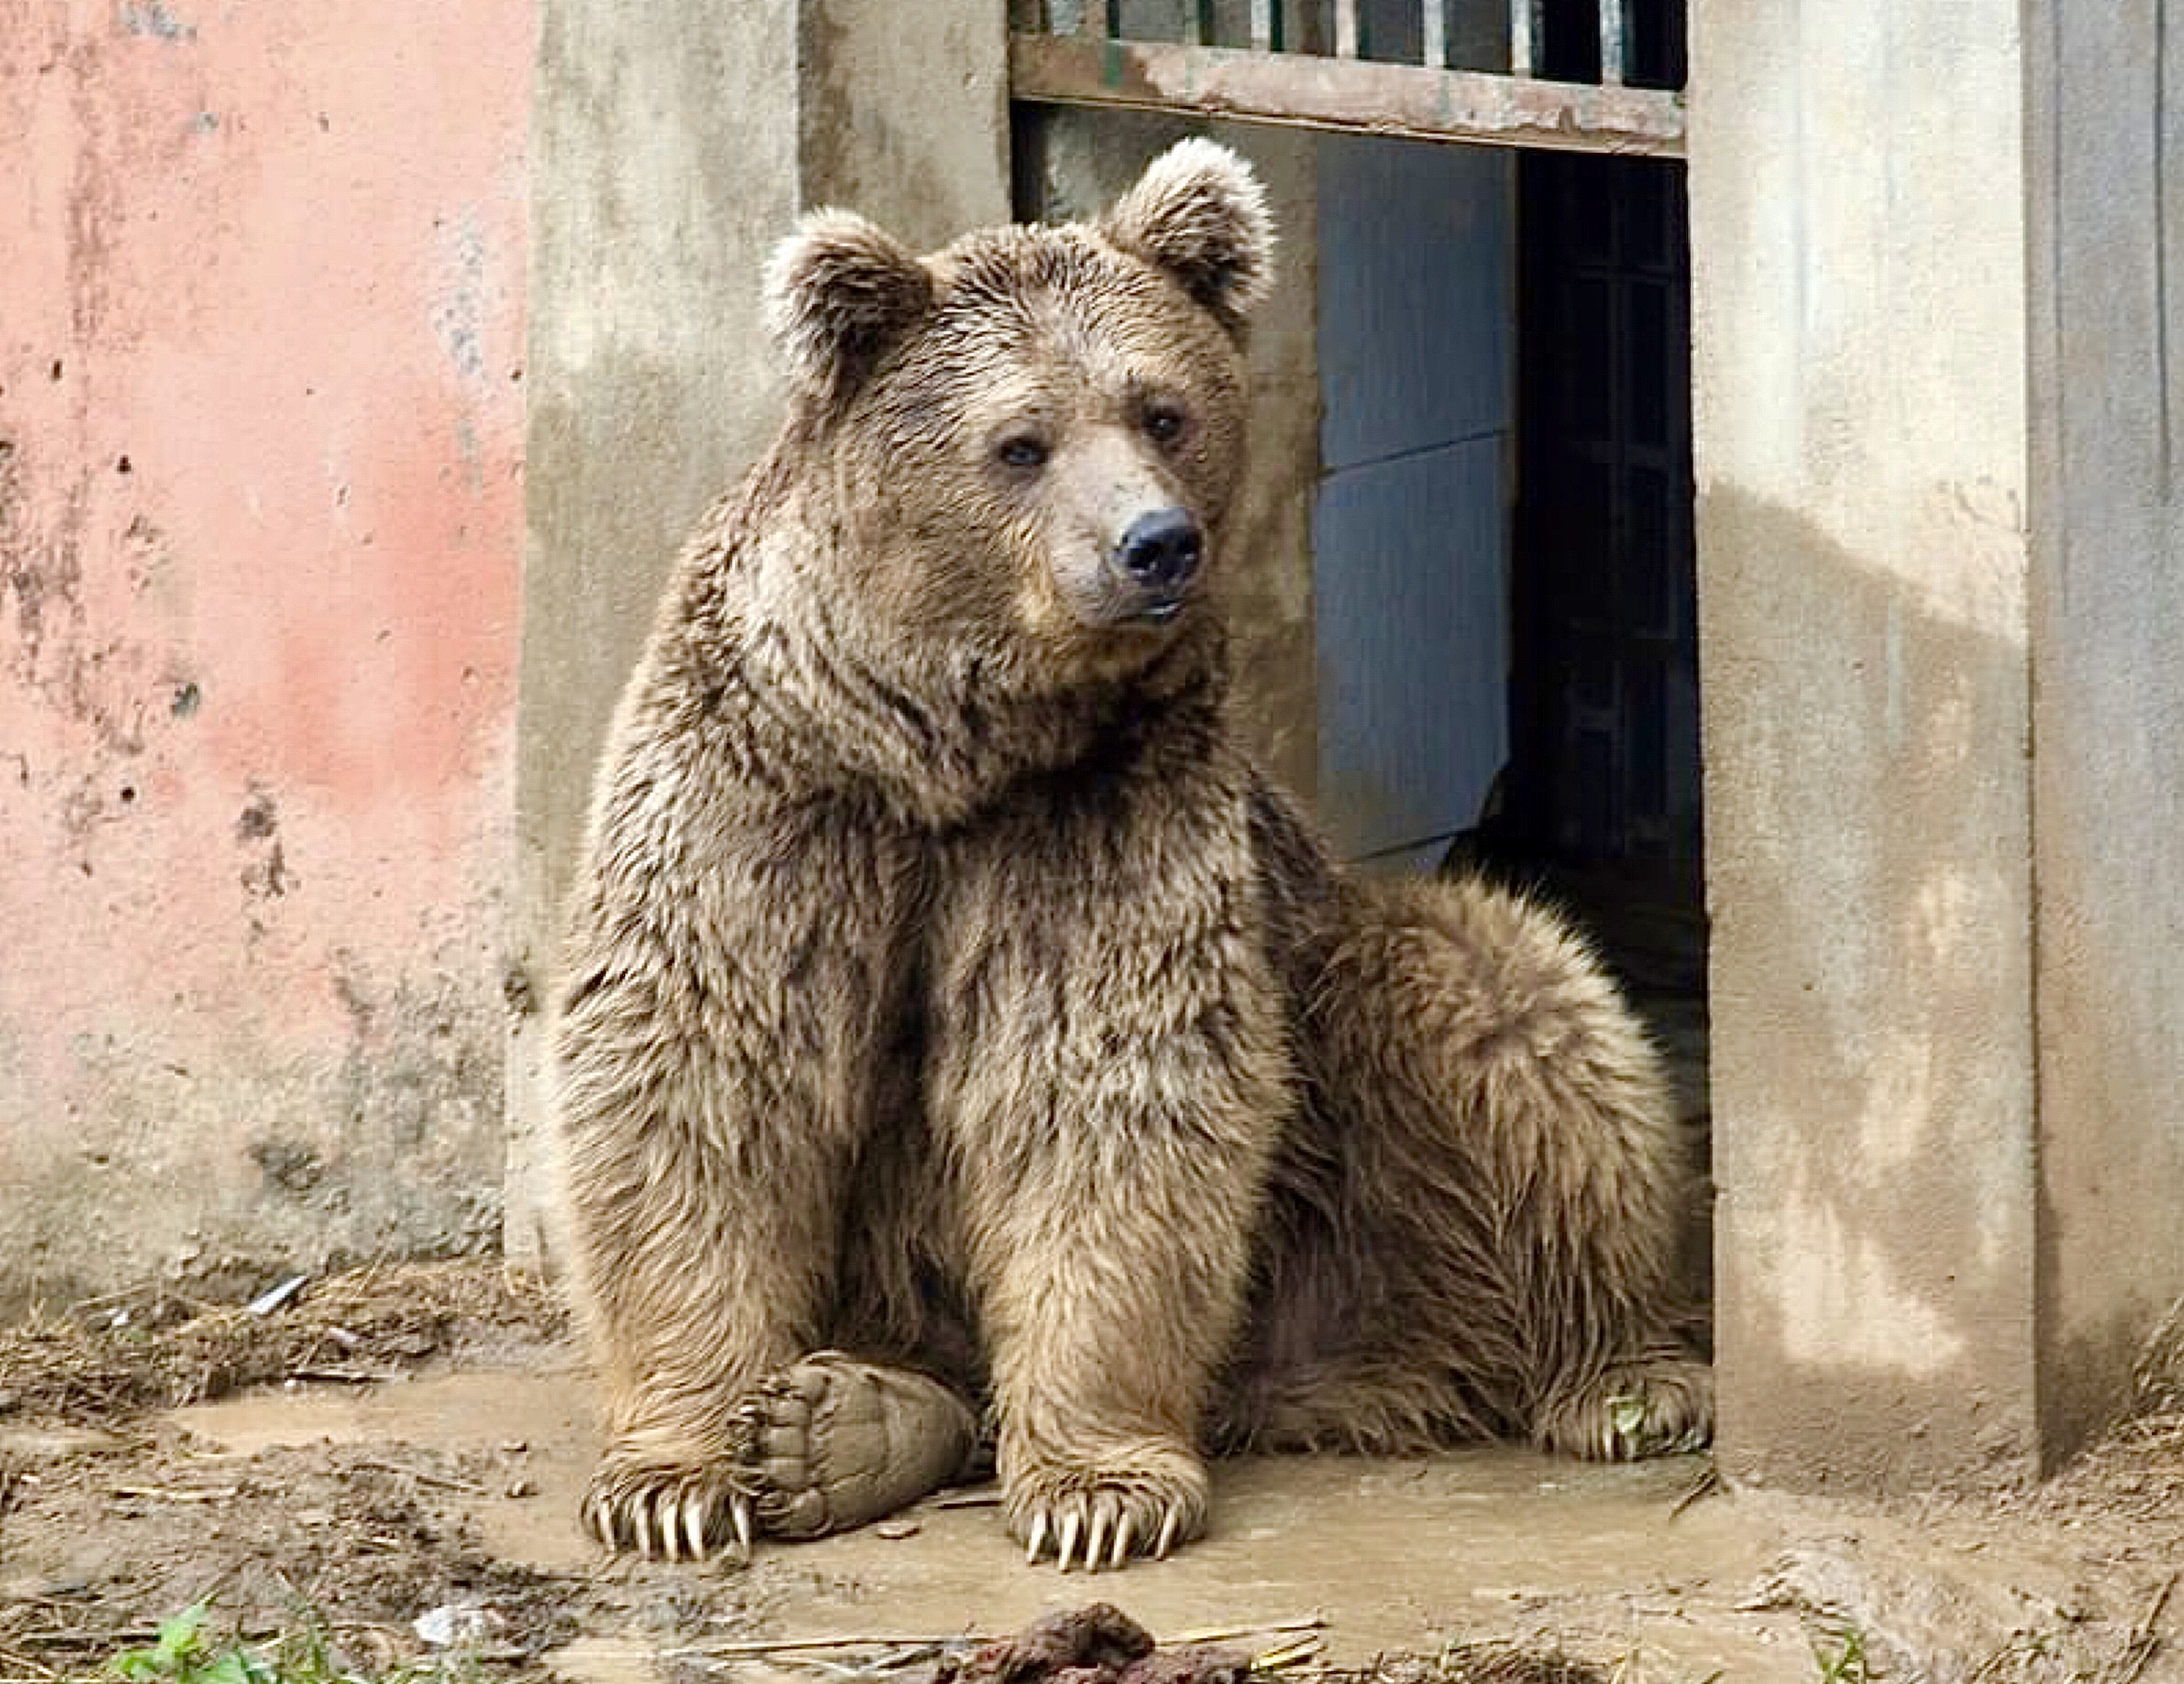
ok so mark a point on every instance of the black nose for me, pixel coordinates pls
(1160, 550)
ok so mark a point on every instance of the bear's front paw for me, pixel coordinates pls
(831, 1442)
(1115, 1506)
(665, 1510)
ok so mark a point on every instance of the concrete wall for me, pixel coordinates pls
(260, 410)
(1078, 161)
(1857, 212)
(2106, 162)
(1416, 365)
(672, 148)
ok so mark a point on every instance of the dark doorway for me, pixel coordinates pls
(1606, 704)
(1602, 803)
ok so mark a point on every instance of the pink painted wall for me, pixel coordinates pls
(260, 429)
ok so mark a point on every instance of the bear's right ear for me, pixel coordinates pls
(839, 291)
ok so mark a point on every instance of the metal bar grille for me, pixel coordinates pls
(1346, 28)
(1524, 36)
(1611, 43)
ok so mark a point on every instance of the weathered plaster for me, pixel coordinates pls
(2107, 304)
(260, 438)
(1868, 885)
(1861, 413)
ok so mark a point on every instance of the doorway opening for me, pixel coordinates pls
(1505, 613)
(1502, 613)
(1603, 799)
(1603, 792)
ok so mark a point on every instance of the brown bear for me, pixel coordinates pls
(956, 1026)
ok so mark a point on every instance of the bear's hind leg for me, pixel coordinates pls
(1479, 1233)
(1650, 1404)
(831, 1442)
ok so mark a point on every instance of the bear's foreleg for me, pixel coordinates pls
(714, 1058)
(1110, 1077)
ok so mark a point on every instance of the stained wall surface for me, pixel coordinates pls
(1858, 198)
(2107, 613)
(260, 430)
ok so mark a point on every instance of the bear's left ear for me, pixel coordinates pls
(841, 292)
(1199, 214)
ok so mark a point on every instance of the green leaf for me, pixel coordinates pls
(173, 1654)
(235, 1667)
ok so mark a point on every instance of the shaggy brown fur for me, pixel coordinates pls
(951, 1011)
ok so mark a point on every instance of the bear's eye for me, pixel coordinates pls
(1022, 450)
(1164, 424)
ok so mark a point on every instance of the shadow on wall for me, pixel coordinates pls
(1868, 878)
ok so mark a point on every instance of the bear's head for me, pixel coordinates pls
(1027, 445)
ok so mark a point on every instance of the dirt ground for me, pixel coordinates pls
(389, 1459)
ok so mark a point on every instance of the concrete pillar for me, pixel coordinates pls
(1857, 194)
(1935, 537)
(2105, 161)
(671, 149)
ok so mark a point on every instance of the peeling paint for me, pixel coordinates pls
(152, 18)
(457, 317)
(259, 818)
(255, 731)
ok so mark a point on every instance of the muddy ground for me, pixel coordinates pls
(405, 1444)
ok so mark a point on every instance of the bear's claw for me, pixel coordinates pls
(667, 1512)
(1114, 1518)
(1657, 1405)
(1107, 1513)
